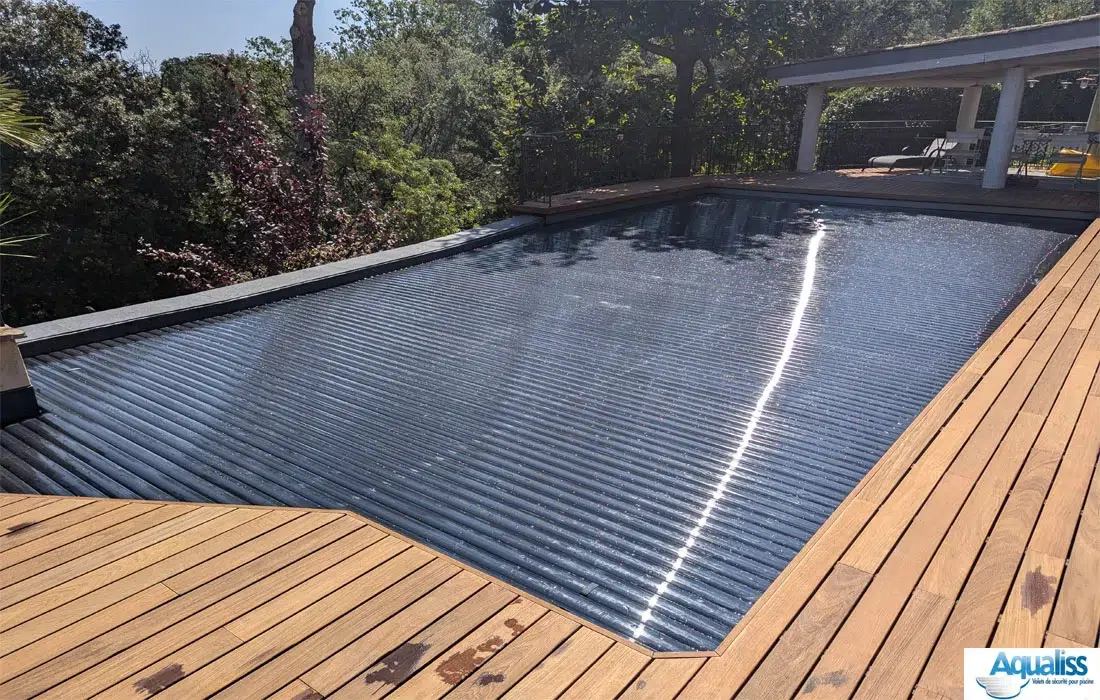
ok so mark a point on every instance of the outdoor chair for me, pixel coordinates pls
(962, 148)
(1072, 151)
(926, 159)
(1028, 146)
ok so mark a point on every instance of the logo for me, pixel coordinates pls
(1031, 674)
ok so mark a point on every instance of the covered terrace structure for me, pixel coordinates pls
(1010, 57)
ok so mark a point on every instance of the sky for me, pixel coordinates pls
(167, 28)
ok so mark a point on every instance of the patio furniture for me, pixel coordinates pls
(926, 158)
(1028, 146)
(962, 148)
(1071, 153)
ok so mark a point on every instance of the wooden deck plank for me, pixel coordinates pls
(903, 654)
(22, 505)
(609, 676)
(206, 523)
(113, 657)
(1053, 641)
(850, 653)
(1030, 601)
(1058, 521)
(296, 691)
(900, 660)
(841, 665)
(30, 608)
(86, 536)
(52, 646)
(223, 563)
(467, 656)
(78, 608)
(434, 581)
(341, 666)
(191, 617)
(508, 667)
(43, 571)
(781, 672)
(202, 651)
(564, 665)
(975, 615)
(662, 679)
(54, 526)
(386, 589)
(164, 673)
(425, 646)
(350, 571)
(25, 521)
(1077, 609)
(870, 183)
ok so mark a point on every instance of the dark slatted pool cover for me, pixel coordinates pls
(558, 409)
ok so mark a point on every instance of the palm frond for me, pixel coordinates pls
(9, 242)
(16, 128)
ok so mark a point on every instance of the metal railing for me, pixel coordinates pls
(551, 164)
(568, 161)
(849, 144)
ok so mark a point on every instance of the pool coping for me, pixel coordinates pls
(73, 331)
(599, 200)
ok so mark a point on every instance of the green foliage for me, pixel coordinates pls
(11, 245)
(992, 15)
(16, 127)
(1046, 101)
(877, 103)
(425, 194)
(16, 130)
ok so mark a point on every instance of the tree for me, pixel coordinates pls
(689, 34)
(278, 214)
(112, 166)
(992, 15)
(302, 41)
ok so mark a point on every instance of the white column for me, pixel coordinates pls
(1004, 129)
(811, 120)
(968, 109)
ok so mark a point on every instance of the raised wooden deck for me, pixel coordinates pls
(873, 183)
(980, 526)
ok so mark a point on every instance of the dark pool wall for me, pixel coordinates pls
(557, 409)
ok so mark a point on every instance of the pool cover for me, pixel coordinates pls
(640, 418)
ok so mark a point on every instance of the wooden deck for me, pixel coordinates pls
(873, 183)
(980, 526)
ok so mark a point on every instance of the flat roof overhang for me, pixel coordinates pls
(1045, 49)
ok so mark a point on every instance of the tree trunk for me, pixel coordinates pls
(683, 113)
(302, 42)
(303, 46)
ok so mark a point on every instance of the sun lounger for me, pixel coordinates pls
(925, 159)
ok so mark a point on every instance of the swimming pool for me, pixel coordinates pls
(640, 417)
